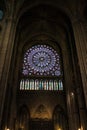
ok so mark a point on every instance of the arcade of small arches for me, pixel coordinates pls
(41, 118)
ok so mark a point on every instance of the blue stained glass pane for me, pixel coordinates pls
(60, 85)
(40, 85)
(1, 14)
(41, 60)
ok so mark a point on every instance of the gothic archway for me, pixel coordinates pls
(22, 119)
(60, 119)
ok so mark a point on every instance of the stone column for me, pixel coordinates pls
(5, 59)
(81, 47)
(69, 88)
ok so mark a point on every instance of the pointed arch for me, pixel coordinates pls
(60, 118)
(23, 118)
(41, 112)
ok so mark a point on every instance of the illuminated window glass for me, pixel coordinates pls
(22, 85)
(1, 14)
(41, 60)
(60, 85)
(50, 85)
(36, 84)
(45, 85)
(27, 85)
(55, 85)
(40, 84)
(31, 84)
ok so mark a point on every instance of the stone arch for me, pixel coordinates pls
(23, 117)
(60, 118)
(68, 47)
(27, 5)
(41, 112)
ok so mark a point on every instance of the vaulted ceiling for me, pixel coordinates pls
(18, 7)
(43, 16)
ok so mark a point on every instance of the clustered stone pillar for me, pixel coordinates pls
(81, 47)
(5, 60)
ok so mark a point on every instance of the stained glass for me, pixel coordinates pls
(27, 85)
(45, 85)
(55, 85)
(1, 14)
(22, 85)
(50, 85)
(36, 84)
(41, 60)
(32, 84)
(60, 85)
(40, 84)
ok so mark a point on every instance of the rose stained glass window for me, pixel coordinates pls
(41, 60)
